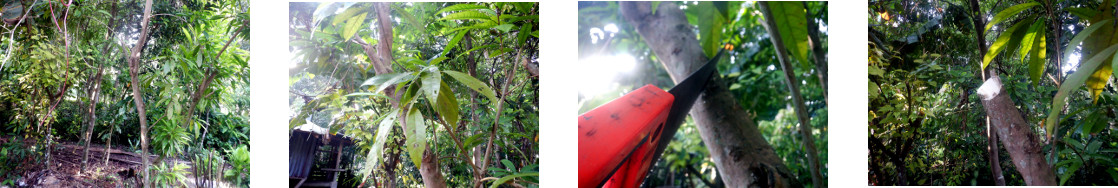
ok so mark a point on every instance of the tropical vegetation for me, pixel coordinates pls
(969, 92)
(124, 93)
(432, 94)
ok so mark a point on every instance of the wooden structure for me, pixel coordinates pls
(304, 147)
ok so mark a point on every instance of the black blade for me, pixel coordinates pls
(686, 92)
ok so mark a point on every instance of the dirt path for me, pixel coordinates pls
(119, 171)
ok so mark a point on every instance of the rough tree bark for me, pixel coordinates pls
(137, 96)
(797, 100)
(1023, 145)
(991, 136)
(737, 147)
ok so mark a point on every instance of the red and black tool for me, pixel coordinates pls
(618, 142)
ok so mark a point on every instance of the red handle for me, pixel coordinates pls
(616, 140)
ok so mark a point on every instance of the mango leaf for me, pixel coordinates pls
(1008, 12)
(1082, 35)
(459, 7)
(1098, 80)
(431, 81)
(1082, 12)
(385, 126)
(499, 52)
(504, 27)
(346, 15)
(389, 79)
(710, 28)
(1000, 44)
(1038, 58)
(454, 42)
(522, 34)
(510, 177)
(474, 84)
(1075, 164)
(416, 134)
(466, 15)
(482, 25)
(1073, 82)
(352, 25)
(473, 141)
(790, 20)
(411, 94)
(1030, 37)
(447, 106)
(436, 61)
(366, 94)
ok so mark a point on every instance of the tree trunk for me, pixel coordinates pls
(991, 136)
(819, 55)
(797, 99)
(737, 147)
(92, 111)
(1017, 136)
(137, 95)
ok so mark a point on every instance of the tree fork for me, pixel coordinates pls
(137, 97)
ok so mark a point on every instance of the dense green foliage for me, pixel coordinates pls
(751, 70)
(459, 76)
(64, 68)
(927, 127)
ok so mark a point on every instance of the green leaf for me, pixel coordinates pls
(1070, 171)
(352, 25)
(1038, 58)
(416, 136)
(466, 15)
(655, 5)
(1030, 37)
(473, 141)
(710, 28)
(454, 42)
(373, 158)
(508, 164)
(1008, 12)
(510, 177)
(1082, 35)
(447, 106)
(474, 84)
(411, 94)
(436, 61)
(1073, 82)
(1000, 44)
(504, 27)
(366, 94)
(499, 52)
(459, 7)
(431, 82)
(482, 25)
(1083, 13)
(346, 15)
(396, 78)
(790, 19)
(522, 34)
